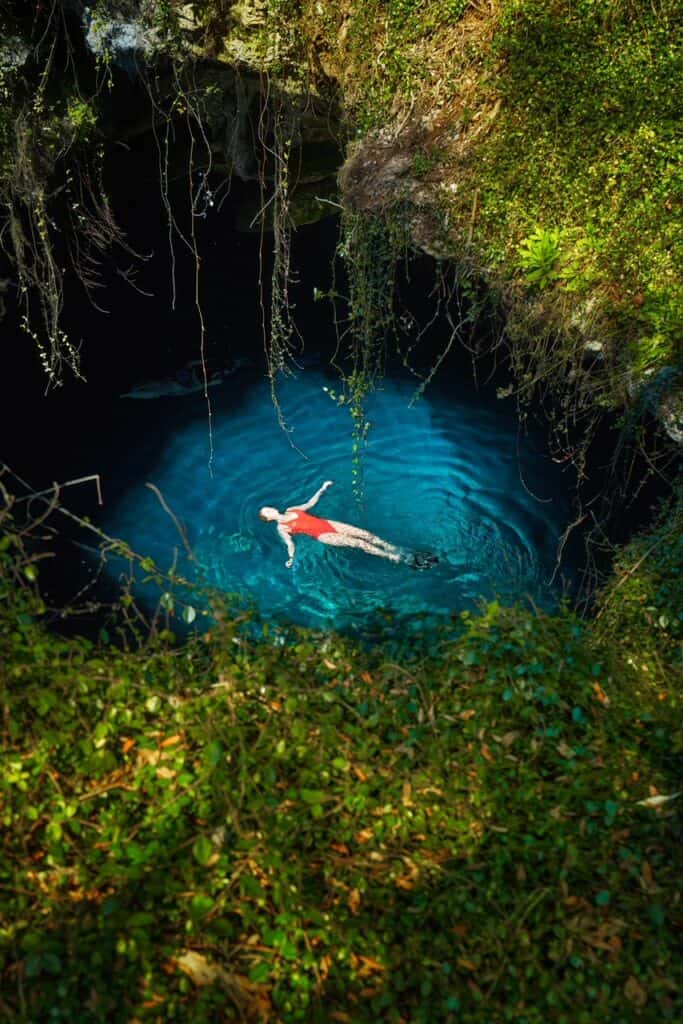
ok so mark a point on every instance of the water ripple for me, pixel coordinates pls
(441, 475)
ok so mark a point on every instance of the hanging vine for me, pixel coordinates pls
(370, 248)
(53, 206)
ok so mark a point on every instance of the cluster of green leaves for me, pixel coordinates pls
(231, 830)
(538, 256)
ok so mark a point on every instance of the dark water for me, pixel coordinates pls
(448, 474)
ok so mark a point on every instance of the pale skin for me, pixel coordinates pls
(345, 535)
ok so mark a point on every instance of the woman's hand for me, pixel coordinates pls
(289, 563)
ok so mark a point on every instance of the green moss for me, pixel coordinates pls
(587, 140)
(537, 117)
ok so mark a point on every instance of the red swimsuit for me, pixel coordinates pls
(312, 526)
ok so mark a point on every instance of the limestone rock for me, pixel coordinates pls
(125, 33)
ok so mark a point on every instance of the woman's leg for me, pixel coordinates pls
(352, 540)
(347, 530)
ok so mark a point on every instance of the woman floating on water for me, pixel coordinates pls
(296, 520)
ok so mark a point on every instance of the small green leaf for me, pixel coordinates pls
(202, 849)
(312, 796)
(603, 898)
(200, 905)
(260, 973)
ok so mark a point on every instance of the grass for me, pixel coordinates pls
(237, 831)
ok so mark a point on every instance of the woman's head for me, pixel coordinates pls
(268, 514)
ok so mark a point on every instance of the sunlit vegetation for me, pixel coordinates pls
(485, 830)
(232, 830)
(531, 120)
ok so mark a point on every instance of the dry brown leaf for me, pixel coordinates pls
(466, 715)
(368, 966)
(467, 965)
(405, 882)
(656, 799)
(353, 901)
(407, 794)
(200, 970)
(648, 878)
(601, 695)
(153, 1001)
(634, 992)
(170, 741)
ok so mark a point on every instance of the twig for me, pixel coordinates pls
(56, 488)
(472, 217)
(179, 527)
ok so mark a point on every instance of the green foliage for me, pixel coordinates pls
(539, 254)
(397, 29)
(587, 138)
(231, 830)
(643, 601)
(81, 116)
(426, 161)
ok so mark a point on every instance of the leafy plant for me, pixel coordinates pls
(539, 255)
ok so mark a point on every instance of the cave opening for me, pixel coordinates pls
(452, 472)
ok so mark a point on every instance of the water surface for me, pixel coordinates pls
(448, 474)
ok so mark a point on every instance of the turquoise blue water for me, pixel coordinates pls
(447, 474)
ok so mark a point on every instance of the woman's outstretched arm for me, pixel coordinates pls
(286, 538)
(316, 497)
